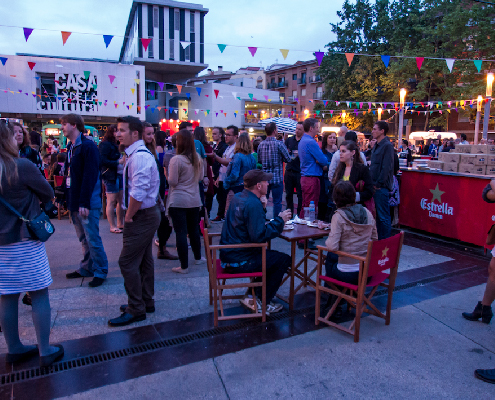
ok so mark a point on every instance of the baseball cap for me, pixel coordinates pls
(255, 176)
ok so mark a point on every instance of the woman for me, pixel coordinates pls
(207, 188)
(328, 147)
(24, 146)
(161, 146)
(352, 169)
(164, 229)
(183, 201)
(55, 147)
(23, 259)
(352, 227)
(329, 144)
(242, 162)
(111, 172)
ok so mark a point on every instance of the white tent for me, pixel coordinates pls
(431, 135)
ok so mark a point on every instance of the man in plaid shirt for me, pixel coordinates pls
(271, 155)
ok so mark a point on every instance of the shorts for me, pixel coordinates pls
(114, 186)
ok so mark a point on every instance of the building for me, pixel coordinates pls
(299, 84)
(175, 52)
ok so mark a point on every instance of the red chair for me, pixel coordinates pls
(58, 182)
(382, 255)
(47, 173)
(218, 278)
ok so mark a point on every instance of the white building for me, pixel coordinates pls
(38, 89)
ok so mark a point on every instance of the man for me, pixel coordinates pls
(382, 170)
(35, 138)
(350, 135)
(341, 135)
(141, 187)
(312, 163)
(271, 155)
(292, 178)
(219, 146)
(230, 138)
(82, 169)
(245, 223)
(463, 139)
(433, 149)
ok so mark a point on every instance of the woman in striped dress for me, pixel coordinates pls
(23, 261)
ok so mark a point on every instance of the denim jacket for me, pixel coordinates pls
(245, 222)
(240, 164)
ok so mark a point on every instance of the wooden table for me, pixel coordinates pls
(300, 232)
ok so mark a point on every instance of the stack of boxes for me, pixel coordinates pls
(477, 159)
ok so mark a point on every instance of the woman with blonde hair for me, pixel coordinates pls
(183, 200)
(242, 162)
(23, 259)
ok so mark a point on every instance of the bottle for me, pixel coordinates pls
(312, 211)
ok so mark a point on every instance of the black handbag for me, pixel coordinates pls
(39, 227)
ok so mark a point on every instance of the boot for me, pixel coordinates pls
(480, 311)
(164, 254)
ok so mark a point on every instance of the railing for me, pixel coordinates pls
(291, 98)
(301, 81)
(318, 95)
(283, 84)
(315, 79)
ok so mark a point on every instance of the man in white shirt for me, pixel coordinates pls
(141, 186)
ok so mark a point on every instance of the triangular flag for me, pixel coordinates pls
(266, 97)
(252, 50)
(94, 87)
(139, 109)
(419, 62)
(31, 65)
(27, 33)
(145, 43)
(386, 60)
(161, 85)
(279, 112)
(107, 39)
(235, 115)
(216, 114)
(225, 114)
(221, 47)
(171, 93)
(86, 74)
(216, 93)
(65, 36)
(450, 63)
(184, 44)
(319, 56)
(198, 89)
(133, 90)
(112, 78)
(250, 96)
(282, 99)
(3, 60)
(349, 57)
(325, 102)
(284, 53)
(188, 95)
(152, 92)
(137, 81)
(171, 109)
(205, 113)
(477, 64)
(179, 88)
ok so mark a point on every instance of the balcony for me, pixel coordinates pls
(291, 99)
(301, 81)
(317, 96)
(271, 85)
(283, 84)
(315, 79)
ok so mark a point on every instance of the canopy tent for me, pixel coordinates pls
(284, 125)
(431, 135)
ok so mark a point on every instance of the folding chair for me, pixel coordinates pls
(382, 255)
(218, 278)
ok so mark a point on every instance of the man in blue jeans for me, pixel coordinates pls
(382, 170)
(272, 153)
(82, 169)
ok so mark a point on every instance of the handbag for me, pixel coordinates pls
(39, 227)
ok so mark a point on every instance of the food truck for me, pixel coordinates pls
(54, 131)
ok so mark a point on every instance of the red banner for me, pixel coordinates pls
(449, 206)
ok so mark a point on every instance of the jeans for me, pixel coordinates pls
(221, 199)
(331, 270)
(383, 222)
(277, 190)
(310, 186)
(164, 231)
(94, 262)
(277, 264)
(185, 221)
(293, 180)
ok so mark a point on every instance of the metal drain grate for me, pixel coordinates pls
(81, 362)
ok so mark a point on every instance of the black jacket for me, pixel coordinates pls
(109, 159)
(218, 150)
(360, 172)
(382, 164)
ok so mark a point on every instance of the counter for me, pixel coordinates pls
(446, 203)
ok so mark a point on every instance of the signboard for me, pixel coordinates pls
(445, 205)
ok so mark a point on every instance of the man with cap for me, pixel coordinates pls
(245, 223)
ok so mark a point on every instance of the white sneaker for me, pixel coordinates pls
(274, 307)
(179, 270)
(202, 260)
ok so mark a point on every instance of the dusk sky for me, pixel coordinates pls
(276, 24)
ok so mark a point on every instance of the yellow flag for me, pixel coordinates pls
(284, 53)
(133, 90)
(137, 81)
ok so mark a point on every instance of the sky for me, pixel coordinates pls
(273, 24)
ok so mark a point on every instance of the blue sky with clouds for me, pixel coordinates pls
(275, 24)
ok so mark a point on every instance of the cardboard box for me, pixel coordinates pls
(450, 167)
(490, 159)
(463, 148)
(491, 148)
(433, 164)
(450, 157)
(479, 149)
(481, 159)
(490, 170)
(472, 169)
(480, 169)
(468, 159)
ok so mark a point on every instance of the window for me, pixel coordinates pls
(176, 20)
(191, 22)
(172, 49)
(319, 90)
(294, 93)
(294, 77)
(303, 76)
(150, 49)
(303, 92)
(187, 53)
(273, 80)
(155, 17)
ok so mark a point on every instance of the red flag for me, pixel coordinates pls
(419, 62)
(145, 43)
(179, 87)
(216, 93)
(350, 57)
(31, 65)
(65, 36)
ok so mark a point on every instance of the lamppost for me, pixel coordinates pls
(343, 117)
(486, 118)
(478, 115)
(380, 110)
(401, 113)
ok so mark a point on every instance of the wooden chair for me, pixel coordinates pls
(218, 278)
(382, 255)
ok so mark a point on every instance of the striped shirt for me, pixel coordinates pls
(271, 155)
(141, 178)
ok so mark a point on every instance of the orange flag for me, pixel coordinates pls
(65, 36)
(179, 88)
(349, 57)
